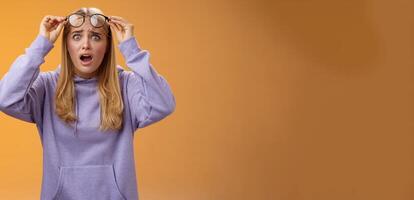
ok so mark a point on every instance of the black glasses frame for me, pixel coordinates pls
(107, 19)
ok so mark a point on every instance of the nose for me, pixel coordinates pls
(86, 43)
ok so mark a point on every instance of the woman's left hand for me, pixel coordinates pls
(122, 29)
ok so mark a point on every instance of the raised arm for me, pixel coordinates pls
(21, 88)
(149, 94)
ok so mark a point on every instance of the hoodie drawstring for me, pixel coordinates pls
(76, 114)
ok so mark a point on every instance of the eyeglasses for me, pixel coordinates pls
(96, 20)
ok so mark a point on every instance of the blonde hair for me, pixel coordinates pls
(111, 103)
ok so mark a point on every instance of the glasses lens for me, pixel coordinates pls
(76, 20)
(97, 20)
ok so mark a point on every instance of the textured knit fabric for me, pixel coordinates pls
(80, 162)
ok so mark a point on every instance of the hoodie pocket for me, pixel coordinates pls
(87, 182)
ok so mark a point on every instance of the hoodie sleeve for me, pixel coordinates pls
(21, 88)
(149, 95)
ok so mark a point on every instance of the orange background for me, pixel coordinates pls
(283, 99)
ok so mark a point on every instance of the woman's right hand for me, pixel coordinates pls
(51, 26)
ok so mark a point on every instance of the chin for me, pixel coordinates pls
(87, 70)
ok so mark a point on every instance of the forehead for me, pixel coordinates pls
(87, 28)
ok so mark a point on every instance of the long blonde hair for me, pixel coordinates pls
(111, 103)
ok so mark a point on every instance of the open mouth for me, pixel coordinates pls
(86, 59)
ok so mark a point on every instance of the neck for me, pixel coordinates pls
(84, 75)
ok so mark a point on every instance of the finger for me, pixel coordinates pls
(116, 17)
(62, 18)
(114, 26)
(46, 18)
(116, 32)
(53, 23)
(56, 24)
(45, 21)
(60, 27)
(59, 19)
(51, 19)
(118, 27)
(121, 22)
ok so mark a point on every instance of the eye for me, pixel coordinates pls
(76, 37)
(96, 37)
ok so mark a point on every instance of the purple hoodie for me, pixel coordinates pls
(80, 162)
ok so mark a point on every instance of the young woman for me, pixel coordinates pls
(87, 110)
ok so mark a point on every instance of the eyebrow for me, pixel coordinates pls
(80, 31)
